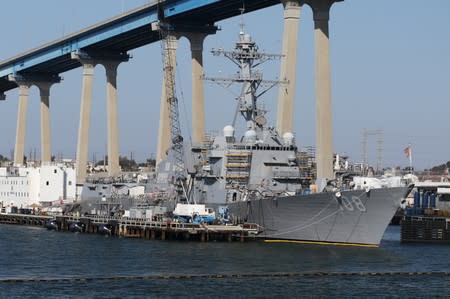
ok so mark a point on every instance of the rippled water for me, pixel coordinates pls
(36, 263)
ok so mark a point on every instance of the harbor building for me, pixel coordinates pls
(32, 186)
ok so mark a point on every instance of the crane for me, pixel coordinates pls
(176, 150)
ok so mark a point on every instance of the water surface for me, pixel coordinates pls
(37, 263)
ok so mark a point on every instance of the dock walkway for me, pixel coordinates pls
(137, 228)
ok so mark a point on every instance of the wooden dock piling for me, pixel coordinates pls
(425, 229)
(138, 228)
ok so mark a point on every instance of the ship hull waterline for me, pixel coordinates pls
(357, 217)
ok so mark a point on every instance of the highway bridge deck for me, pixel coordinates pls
(122, 33)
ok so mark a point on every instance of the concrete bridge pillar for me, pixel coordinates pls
(21, 123)
(113, 127)
(110, 61)
(164, 132)
(85, 116)
(288, 66)
(324, 129)
(44, 90)
(43, 82)
(198, 94)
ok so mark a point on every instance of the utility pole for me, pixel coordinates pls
(379, 146)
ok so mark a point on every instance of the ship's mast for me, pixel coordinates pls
(247, 58)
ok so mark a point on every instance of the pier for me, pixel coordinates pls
(138, 228)
(24, 219)
(426, 229)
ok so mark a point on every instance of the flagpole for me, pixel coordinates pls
(410, 159)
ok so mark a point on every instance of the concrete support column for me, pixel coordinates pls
(44, 90)
(198, 94)
(21, 124)
(110, 60)
(85, 116)
(164, 110)
(288, 66)
(113, 127)
(164, 127)
(43, 81)
(324, 122)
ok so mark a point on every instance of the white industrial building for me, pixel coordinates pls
(25, 186)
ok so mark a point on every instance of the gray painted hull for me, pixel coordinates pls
(356, 217)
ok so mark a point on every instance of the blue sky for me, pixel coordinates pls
(390, 63)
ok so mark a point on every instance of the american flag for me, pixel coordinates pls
(407, 151)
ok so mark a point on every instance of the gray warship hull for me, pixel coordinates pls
(258, 174)
(353, 218)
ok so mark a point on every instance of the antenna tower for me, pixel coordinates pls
(379, 146)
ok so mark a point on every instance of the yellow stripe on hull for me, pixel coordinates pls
(322, 243)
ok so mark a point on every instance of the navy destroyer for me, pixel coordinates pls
(256, 178)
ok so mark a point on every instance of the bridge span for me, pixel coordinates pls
(108, 42)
